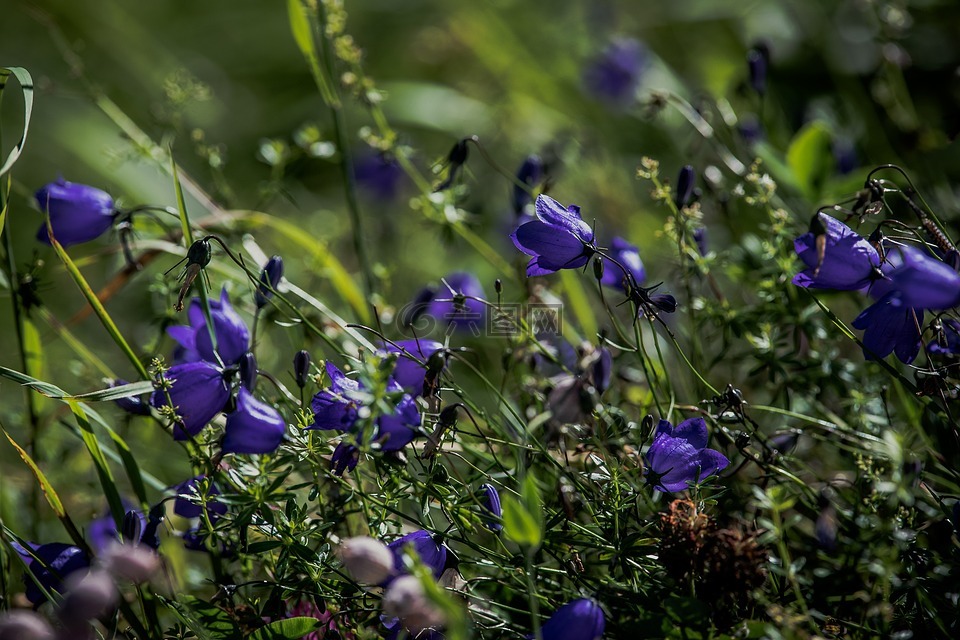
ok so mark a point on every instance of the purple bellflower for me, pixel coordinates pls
(429, 547)
(78, 213)
(103, 530)
(198, 392)
(191, 503)
(254, 427)
(614, 76)
(379, 175)
(557, 239)
(409, 372)
(678, 456)
(890, 326)
(577, 620)
(490, 499)
(233, 337)
(269, 279)
(921, 281)
(457, 301)
(49, 564)
(629, 256)
(836, 257)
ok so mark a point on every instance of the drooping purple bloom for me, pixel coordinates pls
(248, 371)
(49, 564)
(836, 257)
(457, 301)
(581, 619)
(379, 175)
(557, 239)
(196, 495)
(686, 181)
(198, 392)
(345, 458)
(254, 427)
(78, 212)
(890, 326)
(922, 281)
(529, 174)
(678, 456)
(233, 337)
(432, 553)
(269, 279)
(409, 372)
(614, 76)
(490, 500)
(629, 256)
(335, 408)
(947, 343)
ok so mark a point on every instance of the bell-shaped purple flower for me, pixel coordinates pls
(529, 174)
(196, 495)
(398, 429)
(103, 530)
(379, 175)
(457, 301)
(629, 256)
(614, 76)
(233, 337)
(432, 553)
(78, 212)
(269, 279)
(409, 372)
(577, 620)
(198, 392)
(888, 326)
(836, 257)
(557, 239)
(335, 408)
(686, 181)
(922, 281)
(678, 456)
(49, 564)
(490, 499)
(344, 458)
(254, 427)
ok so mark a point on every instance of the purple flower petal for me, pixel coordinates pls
(255, 427)
(198, 392)
(849, 260)
(187, 503)
(693, 430)
(432, 553)
(629, 256)
(78, 213)
(581, 619)
(233, 337)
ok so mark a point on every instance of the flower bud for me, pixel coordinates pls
(685, 183)
(367, 560)
(269, 279)
(130, 562)
(301, 367)
(406, 599)
(24, 625)
(248, 371)
(577, 620)
(92, 596)
(757, 66)
(78, 213)
(491, 503)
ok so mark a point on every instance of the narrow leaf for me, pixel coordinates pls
(26, 87)
(287, 629)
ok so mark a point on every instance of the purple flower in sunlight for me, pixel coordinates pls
(614, 75)
(457, 301)
(890, 326)
(49, 564)
(557, 239)
(233, 337)
(921, 281)
(629, 256)
(198, 392)
(196, 495)
(269, 279)
(529, 174)
(429, 547)
(947, 342)
(254, 427)
(678, 456)
(491, 504)
(335, 408)
(380, 175)
(78, 212)
(836, 257)
(577, 620)
(409, 372)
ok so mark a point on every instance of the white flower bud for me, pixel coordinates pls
(405, 599)
(24, 625)
(130, 562)
(92, 596)
(369, 561)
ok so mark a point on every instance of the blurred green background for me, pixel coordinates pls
(225, 85)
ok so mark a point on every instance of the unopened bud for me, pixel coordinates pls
(406, 599)
(91, 597)
(598, 268)
(130, 562)
(685, 183)
(369, 561)
(301, 367)
(269, 279)
(248, 371)
(24, 625)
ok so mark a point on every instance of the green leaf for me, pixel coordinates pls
(519, 524)
(48, 491)
(99, 462)
(26, 87)
(577, 297)
(809, 157)
(288, 629)
(53, 391)
(531, 499)
(207, 620)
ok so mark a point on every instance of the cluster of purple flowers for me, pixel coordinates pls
(904, 281)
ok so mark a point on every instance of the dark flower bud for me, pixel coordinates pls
(459, 153)
(448, 417)
(248, 371)
(491, 503)
(602, 370)
(664, 302)
(133, 405)
(78, 213)
(200, 253)
(700, 238)
(301, 367)
(598, 268)
(132, 525)
(151, 532)
(498, 286)
(757, 65)
(529, 174)
(685, 183)
(269, 279)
